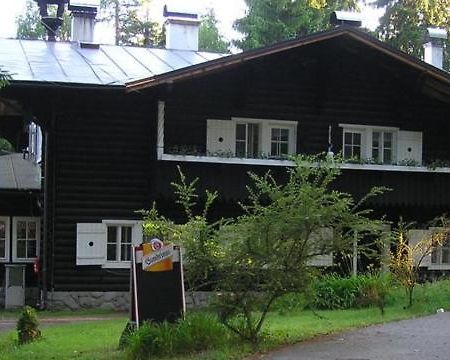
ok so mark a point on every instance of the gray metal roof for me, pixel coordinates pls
(65, 62)
(17, 173)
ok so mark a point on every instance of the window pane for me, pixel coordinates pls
(21, 230)
(387, 156)
(112, 234)
(241, 132)
(445, 256)
(356, 139)
(126, 234)
(375, 139)
(347, 151)
(356, 152)
(125, 252)
(2, 230)
(387, 140)
(111, 252)
(252, 140)
(275, 134)
(274, 149)
(2, 249)
(32, 230)
(31, 249)
(240, 148)
(284, 149)
(434, 256)
(348, 138)
(21, 249)
(284, 134)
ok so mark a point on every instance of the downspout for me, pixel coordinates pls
(46, 227)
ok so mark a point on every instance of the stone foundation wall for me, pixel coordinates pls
(119, 301)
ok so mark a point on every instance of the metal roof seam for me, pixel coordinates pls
(88, 63)
(160, 59)
(26, 58)
(115, 63)
(135, 58)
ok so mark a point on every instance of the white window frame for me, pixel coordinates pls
(439, 265)
(7, 221)
(265, 133)
(361, 145)
(16, 219)
(367, 137)
(119, 264)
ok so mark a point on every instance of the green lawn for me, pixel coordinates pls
(98, 340)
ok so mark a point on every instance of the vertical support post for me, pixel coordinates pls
(133, 267)
(160, 130)
(355, 254)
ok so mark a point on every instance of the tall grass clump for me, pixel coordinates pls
(28, 326)
(198, 332)
(336, 292)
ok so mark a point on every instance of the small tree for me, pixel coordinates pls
(407, 257)
(267, 251)
(5, 77)
(195, 235)
(28, 326)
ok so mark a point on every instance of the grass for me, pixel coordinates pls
(45, 314)
(98, 340)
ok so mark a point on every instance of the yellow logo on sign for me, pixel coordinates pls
(157, 257)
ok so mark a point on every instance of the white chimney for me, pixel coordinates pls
(83, 19)
(181, 30)
(434, 47)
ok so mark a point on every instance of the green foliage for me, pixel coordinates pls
(266, 252)
(29, 25)
(5, 77)
(132, 23)
(196, 235)
(5, 145)
(209, 37)
(198, 332)
(336, 292)
(270, 21)
(404, 23)
(28, 326)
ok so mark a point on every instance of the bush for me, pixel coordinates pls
(335, 292)
(199, 331)
(28, 326)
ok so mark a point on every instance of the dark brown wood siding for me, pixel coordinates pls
(102, 159)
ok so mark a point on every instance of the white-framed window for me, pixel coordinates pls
(372, 143)
(26, 238)
(251, 138)
(4, 238)
(382, 146)
(441, 254)
(108, 243)
(352, 144)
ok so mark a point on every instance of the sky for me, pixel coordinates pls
(226, 12)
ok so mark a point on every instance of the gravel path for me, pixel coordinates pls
(426, 338)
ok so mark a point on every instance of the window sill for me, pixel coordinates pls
(273, 162)
(25, 261)
(439, 267)
(116, 265)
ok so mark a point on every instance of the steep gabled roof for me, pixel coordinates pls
(439, 78)
(17, 173)
(47, 63)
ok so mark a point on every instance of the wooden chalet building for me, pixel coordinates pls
(116, 122)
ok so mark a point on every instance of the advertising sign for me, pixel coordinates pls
(157, 256)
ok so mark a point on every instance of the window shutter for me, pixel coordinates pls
(220, 136)
(91, 244)
(414, 236)
(409, 146)
(137, 237)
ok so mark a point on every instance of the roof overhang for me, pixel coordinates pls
(429, 71)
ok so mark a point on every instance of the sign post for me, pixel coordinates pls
(157, 283)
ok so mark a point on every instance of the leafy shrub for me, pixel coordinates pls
(28, 326)
(199, 331)
(290, 302)
(374, 290)
(335, 292)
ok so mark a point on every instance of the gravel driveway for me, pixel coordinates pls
(425, 338)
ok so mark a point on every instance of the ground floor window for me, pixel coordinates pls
(4, 238)
(119, 243)
(26, 236)
(441, 255)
